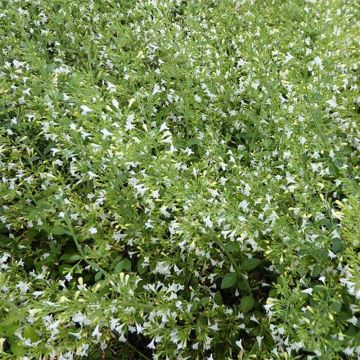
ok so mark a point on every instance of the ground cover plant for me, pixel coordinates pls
(179, 179)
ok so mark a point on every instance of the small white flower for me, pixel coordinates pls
(308, 291)
(156, 89)
(23, 286)
(93, 230)
(36, 294)
(259, 340)
(81, 319)
(288, 57)
(155, 194)
(115, 103)
(111, 87)
(286, 155)
(239, 344)
(317, 61)
(114, 323)
(208, 222)
(96, 333)
(332, 103)
(302, 140)
(244, 205)
(85, 109)
(106, 133)
(92, 175)
(151, 345)
(163, 127)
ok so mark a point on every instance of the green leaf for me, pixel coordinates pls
(124, 264)
(336, 306)
(70, 258)
(229, 280)
(98, 276)
(58, 230)
(205, 301)
(127, 265)
(218, 298)
(352, 331)
(316, 270)
(30, 333)
(273, 293)
(247, 303)
(243, 284)
(337, 245)
(17, 348)
(232, 247)
(202, 320)
(64, 269)
(250, 264)
(140, 267)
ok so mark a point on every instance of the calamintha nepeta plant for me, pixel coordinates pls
(179, 179)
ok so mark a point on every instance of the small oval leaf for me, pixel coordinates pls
(229, 280)
(250, 264)
(247, 303)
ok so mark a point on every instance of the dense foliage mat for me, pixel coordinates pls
(179, 179)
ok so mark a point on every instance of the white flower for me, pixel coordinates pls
(129, 123)
(208, 222)
(162, 268)
(36, 294)
(92, 175)
(155, 194)
(93, 230)
(85, 109)
(106, 133)
(115, 103)
(244, 205)
(163, 127)
(288, 57)
(332, 103)
(317, 61)
(259, 340)
(156, 89)
(23, 286)
(114, 323)
(151, 345)
(96, 333)
(239, 344)
(83, 350)
(308, 291)
(81, 319)
(111, 87)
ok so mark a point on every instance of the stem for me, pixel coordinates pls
(233, 261)
(79, 248)
(137, 351)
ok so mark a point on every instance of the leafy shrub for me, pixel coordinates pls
(179, 179)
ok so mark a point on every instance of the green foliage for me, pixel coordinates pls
(229, 280)
(179, 179)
